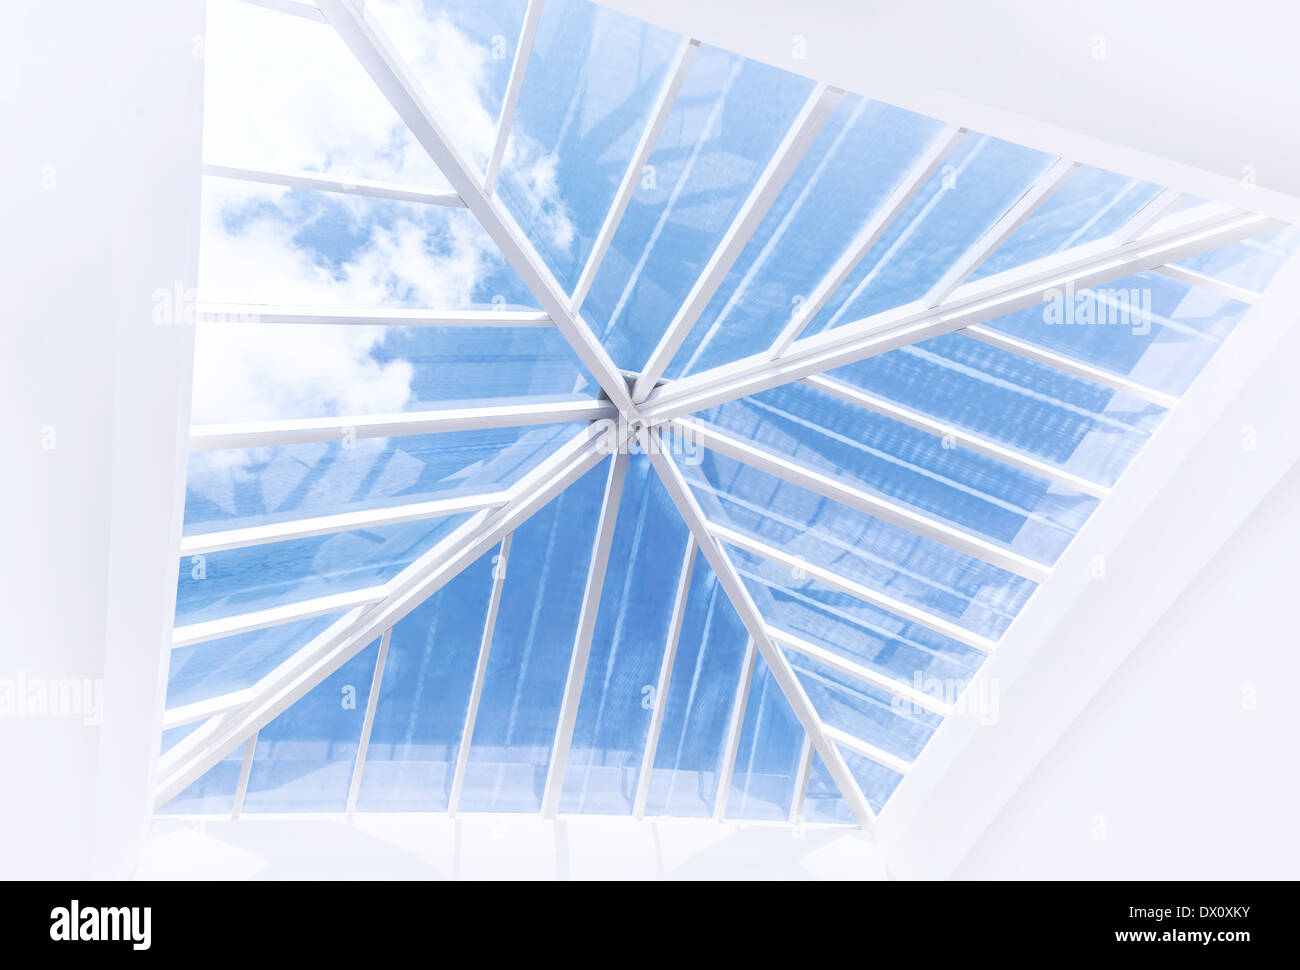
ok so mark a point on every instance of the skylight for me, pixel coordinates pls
(590, 420)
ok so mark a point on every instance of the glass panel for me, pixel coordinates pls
(883, 557)
(865, 712)
(701, 693)
(237, 488)
(432, 653)
(762, 784)
(277, 573)
(729, 117)
(300, 248)
(982, 178)
(823, 801)
(1092, 204)
(980, 495)
(1250, 263)
(217, 667)
(284, 94)
(531, 648)
(303, 760)
(593, 77)
(862, 152)
(1072, 423)
(905, 652)
(876, 781)
(627, 648)
(1156, 330)
(461, 51)
(213, 792)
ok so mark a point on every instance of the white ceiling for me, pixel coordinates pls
(1195, 94)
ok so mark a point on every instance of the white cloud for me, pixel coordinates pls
(285, 93)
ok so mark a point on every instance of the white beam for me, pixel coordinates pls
(917, 176)
(296, 431)
(1000, 231)
(175, 717)
(1181, 234)
(342, 184)
(346, 316)
(779, 168)
(372, 702)
(886, 511)
(677, 70)
(731, 745)
(245, 769)
(527, 33)
(829, 578)
(1204, 282)
(345, 638)
(801, 780)
(1078, 368)
(665, 677)
(372, 48)
(229, 626)
(499, 568)
(917, 698)
(734, 586)
(206, 542)
(1160, 206)
(965, 439)
(591, 597)
(879, 755)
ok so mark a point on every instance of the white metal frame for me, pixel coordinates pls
(1154, 239)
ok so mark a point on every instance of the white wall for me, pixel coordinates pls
(414, 846)
(99, 178)
(1184, 765)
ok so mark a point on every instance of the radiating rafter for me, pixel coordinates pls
(315, 661)
(499, 568)
(1000, 231)
(677, 70)
(917, 176)
(591, 597)
(527, 33)
(346, 316)
(1178, 236)
(854, 497)
(339, 184)
(779, 168)
(404, 92)
(776, 661)
(368, 723)
(206, 542)
(296, 431)
(664, 679)
(956, 436)
(827, 577)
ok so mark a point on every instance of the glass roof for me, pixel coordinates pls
(682, 446)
